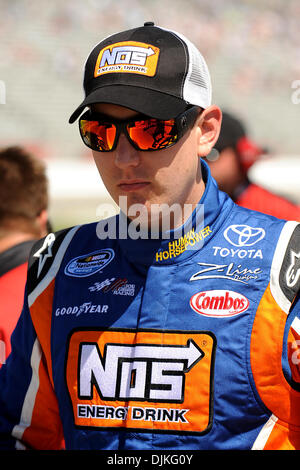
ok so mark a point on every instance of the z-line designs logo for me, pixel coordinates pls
(127, 57)
(226, 271)
(142, 379)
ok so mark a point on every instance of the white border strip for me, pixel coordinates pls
(282, 244)
(29, 401)
(296, 325)
(265, 433)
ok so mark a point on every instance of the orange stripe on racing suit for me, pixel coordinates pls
(45, 401)
(266, 364)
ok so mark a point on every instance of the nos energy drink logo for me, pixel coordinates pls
(127, 57)
(141, 379)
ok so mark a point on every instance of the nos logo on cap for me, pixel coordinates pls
(127, 57)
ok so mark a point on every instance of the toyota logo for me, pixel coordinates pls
(243, 235)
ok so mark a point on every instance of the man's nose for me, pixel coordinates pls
(125, 154)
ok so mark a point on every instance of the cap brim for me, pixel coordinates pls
(150, 102)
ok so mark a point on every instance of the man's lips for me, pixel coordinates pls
(132, 185)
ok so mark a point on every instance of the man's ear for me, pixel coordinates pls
(209, 125)
(42, 223)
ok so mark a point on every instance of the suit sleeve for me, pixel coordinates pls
(285, 287)
(29, 410)
(29, 415)
(291, 349)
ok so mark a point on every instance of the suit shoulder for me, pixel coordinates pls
(285, 270)
(47, 254)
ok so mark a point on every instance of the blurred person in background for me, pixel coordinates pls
(23, 220)
(235, 155)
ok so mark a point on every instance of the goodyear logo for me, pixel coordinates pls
(127, 57)
(141, 380)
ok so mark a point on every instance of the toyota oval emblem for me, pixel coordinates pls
(244, 235)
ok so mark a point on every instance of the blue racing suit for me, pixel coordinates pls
(184, 342)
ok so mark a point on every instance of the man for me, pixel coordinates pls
(23, 220)
(230, 166)
(171, 338)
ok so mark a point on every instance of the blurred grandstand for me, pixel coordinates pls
(251, 46)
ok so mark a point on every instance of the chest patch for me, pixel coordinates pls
(144, 380)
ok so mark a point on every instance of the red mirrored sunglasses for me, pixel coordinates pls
(101, 133)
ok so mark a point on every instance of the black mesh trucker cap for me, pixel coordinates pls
(151, 70)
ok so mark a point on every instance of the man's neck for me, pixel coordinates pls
(13, 239)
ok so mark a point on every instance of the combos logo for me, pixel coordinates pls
(142, 379)
(219, 303)
(89, 264)
(128, 57)
(243, 235)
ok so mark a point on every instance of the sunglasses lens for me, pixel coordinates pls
(98, 136)
(153, 134)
